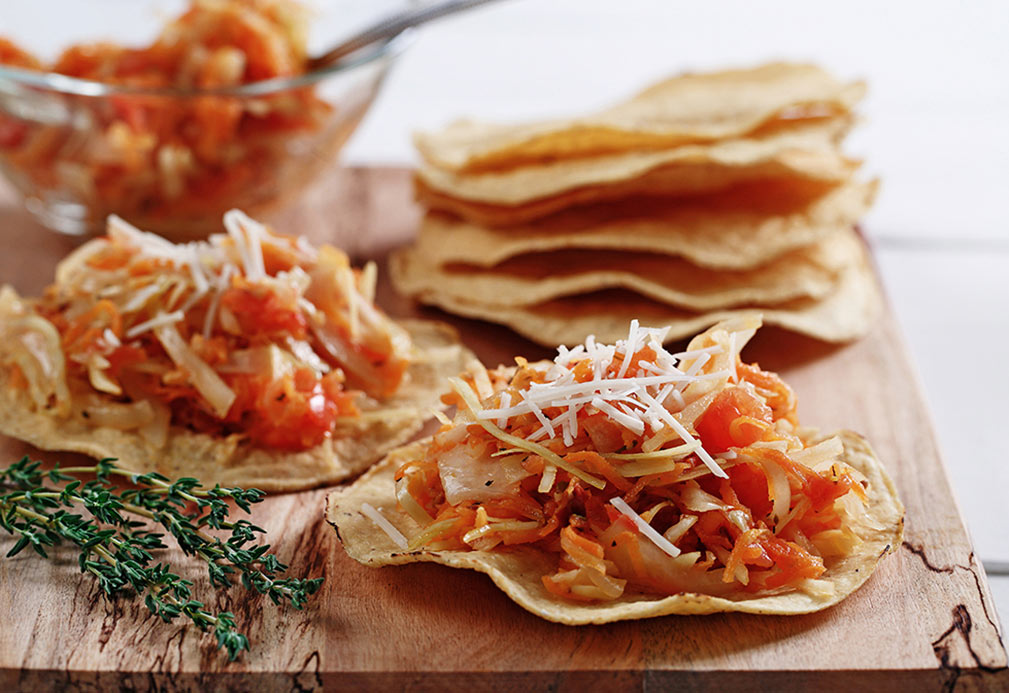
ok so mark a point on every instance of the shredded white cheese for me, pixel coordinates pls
(643, 527)
(110, 338)
(215, 300)
(368, 281)
(505, 401)
(158, 320)
(638, 399)
(622, 418)
(143, 295)
(383, 524)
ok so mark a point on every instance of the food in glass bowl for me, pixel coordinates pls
(217, 112)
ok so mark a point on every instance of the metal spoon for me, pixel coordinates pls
(390, 26)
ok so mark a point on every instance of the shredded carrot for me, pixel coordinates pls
(600, 465)
(722, 527)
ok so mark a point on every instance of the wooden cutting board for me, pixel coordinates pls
(925, 619)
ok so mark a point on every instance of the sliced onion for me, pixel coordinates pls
(76, 262)
(799, 509)
(740, 519)
(466, 478)
(368, 281)
(696, 499)
(780, 491)
(610, 587)
(502, 526)
(690, 413)
(457, 434)
(820, 456)
(360, 372)
(353, 322)
(410, 504)
(33, 344)
(724, 360)
(835, 542)
(304, 352)
(816, 588)
(123, 416)
(99, 379)
(270, 361)
(683, 525)
(588, 592)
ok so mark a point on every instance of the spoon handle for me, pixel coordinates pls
(390, 26)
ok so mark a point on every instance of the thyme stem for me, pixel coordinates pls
(117, 549)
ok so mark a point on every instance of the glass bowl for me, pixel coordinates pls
(173, 161)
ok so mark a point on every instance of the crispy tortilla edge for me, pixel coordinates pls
(517, 572)
(228, 461)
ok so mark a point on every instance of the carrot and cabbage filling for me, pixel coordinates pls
(641, 470)
(247, 333)
(153, 156)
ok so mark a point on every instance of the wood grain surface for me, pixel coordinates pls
(924, 621)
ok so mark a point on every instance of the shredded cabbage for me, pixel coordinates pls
(469, 398)
(32, 343)
(465, 478)
(202, 377)
(778, 487)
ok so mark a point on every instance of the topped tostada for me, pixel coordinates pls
(250, 358)
(624, 481)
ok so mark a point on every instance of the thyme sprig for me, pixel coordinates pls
(116, 547)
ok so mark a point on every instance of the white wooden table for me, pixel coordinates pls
(935, 131)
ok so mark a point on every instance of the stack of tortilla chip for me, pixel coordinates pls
(702, 197)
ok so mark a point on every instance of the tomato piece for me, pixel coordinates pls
(749, 481)
(131, 111)
(112, 257)
(748, 549)
(606, 435)
(296, 412)
(792, 561)
(780, 396)
(265, 312)
(715, 425)
(15, 56)
(279, 256)
(644, 354)
(12, 132)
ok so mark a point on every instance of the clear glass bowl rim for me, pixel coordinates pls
(63, 84)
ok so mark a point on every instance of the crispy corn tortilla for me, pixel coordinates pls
(536, 191)
(808, 272)
(846, 313)
(230, 461)
(673, 183)
(517, 571)
(721, 231)
(683, 110)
